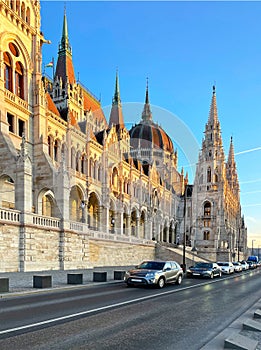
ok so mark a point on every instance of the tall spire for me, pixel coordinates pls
(116, 99)
(116, 116)
(146, 114)
(65, 45)
(213, 115)
(64, 67)
(231, 154)
(231, 169)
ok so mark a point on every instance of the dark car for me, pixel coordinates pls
(204, 269)
(156, 273)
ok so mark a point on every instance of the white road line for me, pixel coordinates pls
(83, 313)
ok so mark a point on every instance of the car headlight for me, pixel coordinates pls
(150, 274)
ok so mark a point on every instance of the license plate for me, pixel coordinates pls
(196, 274)
(136, 280)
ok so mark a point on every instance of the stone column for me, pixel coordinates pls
(137, 227)
(128, 228)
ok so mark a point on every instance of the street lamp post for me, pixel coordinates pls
(253, 240)
(184, 238)
(238, 255)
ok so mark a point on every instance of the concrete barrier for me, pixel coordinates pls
(4, 284)
(119, 275)
(99, 276)
(74, 278)
(42, 281)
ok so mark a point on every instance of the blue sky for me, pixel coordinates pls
(183, 48)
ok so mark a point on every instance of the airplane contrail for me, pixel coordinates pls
(248, 151)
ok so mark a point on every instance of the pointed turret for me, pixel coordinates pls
(116, 116)
(146, 114)
(212, 143)
(231, 154)
(231, 170)
(64, 67)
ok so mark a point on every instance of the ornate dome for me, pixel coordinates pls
(150, 135)
(147, 134)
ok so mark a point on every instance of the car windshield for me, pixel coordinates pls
(151, 265)
(223, 264)
(204, 265)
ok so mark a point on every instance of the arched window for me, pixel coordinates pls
(23, 11)
(83, 164)
(27, 18)
(19, 80)
(209, 174)
(207, 209)
(55, 150)
(115, 178)
(73, 156)
(206, 235)
(18, 7)
(8, 72)
(78, 160)
(49, 146)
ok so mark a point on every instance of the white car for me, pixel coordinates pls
(237, 266)
(226, 267)
(244, 265)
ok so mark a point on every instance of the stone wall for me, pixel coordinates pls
(105, 253)
(9, 248)
(32, 248)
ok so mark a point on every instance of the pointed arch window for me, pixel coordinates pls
(83, 164)
(19, 80)
(207, 209)
(50, 146)
(27, 17)
(55, 150)
(8, 72)
(18, 7)
(23, 11)
(115, 178)
(209, 174)
(206, 235)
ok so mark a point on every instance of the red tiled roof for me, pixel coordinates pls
(91, 104)
(64, 69)
(51, 106)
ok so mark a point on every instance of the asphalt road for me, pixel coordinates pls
(115, 317)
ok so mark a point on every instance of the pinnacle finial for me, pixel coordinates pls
(147, 91)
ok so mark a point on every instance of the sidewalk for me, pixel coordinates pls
(22, 282)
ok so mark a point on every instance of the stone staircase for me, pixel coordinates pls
(174, 252)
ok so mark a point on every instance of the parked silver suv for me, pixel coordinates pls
(154, 273)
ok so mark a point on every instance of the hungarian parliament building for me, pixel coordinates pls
(77, 190)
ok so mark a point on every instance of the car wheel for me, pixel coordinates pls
(129, 285)
(179, 280)
(161, 282)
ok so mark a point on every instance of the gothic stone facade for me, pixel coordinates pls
(73, 192)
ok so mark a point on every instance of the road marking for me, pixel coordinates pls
(107, 307)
